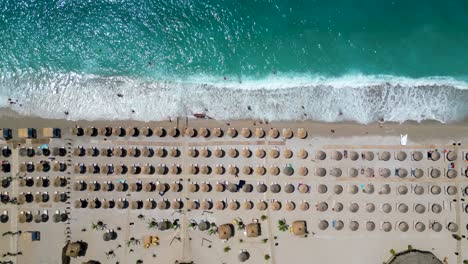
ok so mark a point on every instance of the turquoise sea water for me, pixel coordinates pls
(325, 60)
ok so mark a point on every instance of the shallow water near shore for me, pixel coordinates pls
(273, 60)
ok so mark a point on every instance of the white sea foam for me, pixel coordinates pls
(356, 97)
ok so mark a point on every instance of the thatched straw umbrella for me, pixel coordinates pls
(418, 173)
(288, 171)
(385, 189)
(176, 187)
(419, 190)
(246, 132)
(403, 226)
(79, 186)
(302, 154)
(59, 182)
(233, 153)
(79, 151)
(452, 173)
(287, 133)
(303, 188)
(217, 132)
(38, 197)
(233, 170)
(436, 208)
(135, 169)
(206, 205)
(304, 206)
(260, 153)
(370, 207)
(247, 205)
(107, 186)
(260, 170)
(231, 132)
(220, 187)
(247, 170)
(289, 188)
(289, 206)
(402, 208)
(219, 169)
(205, 187)
(402, 172)
(193, 205)
(321, 172)
(336, 172)
(121, 187)
(121, 169)
(162, 187)
(173, 132)
(193, 187)
(436, 226)
(232, 187)
(247, 188)
(190, 132)
(135, 187)
(161, 169)
(175, 169)
(204, 225)
(353, 189)
(274, 153)
(384, 172)
(435, 173)
(368, 188)
(339, 225)
(94, 186)
(160, 132)
(177, 204)
(273, 133)
(204, 132)
(336, 155)
(80, 203)
(420, 209)
(261, 205)
(246, 153)
(122, 204)
(192, 152)
(287, 154)
(205, 152)
(92, 151)
(370, 226)
(436, 190)
(274, 170)
(275, 188)
(233, 205)
(160, 152)
(369, 172)
(323, 224)
(386, 226)
(259, 132)
(451, 155)
(353, 172)
(320, 155)
(163, 205)
(385, 156)
(322, 188)
(164, 225)
(91, 131)
(147, 152)
(353, 155)
(353, 207)
(368, 155)
(261, 188)
(401, 156)
(243, 256)
(301, 133)
(302, 171)
(39, 167)
(205, 169)
(322, 206)
(22, 167)
(220, 205)
(417, 155)
(105, 131)
(434, 155)
(148, 169)
(218, 152)
(402, 189)
(77, 131)
(119, 131)
(353, 225)
(94, 203)
(146, 131)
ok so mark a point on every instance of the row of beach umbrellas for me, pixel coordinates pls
(31, 152)
(92, 131)
(42, 166)
(384, 155)
(41, 197)
(387, 226)
(28, 217)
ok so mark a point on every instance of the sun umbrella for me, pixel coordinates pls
(259, 132)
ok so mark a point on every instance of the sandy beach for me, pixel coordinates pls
(362, 195)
